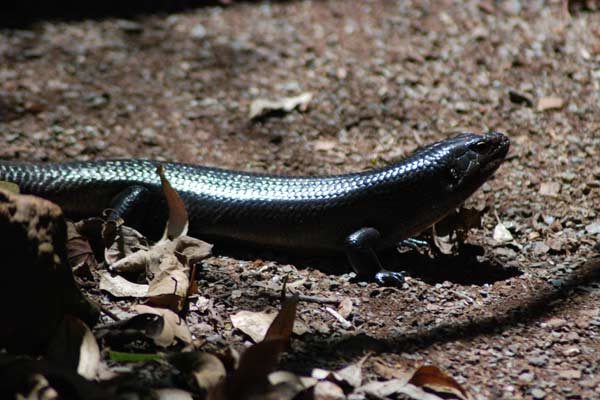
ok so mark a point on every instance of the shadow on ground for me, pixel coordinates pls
(465, 268)
(533, 308)
(20, 14)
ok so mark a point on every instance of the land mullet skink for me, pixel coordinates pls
(356, 213)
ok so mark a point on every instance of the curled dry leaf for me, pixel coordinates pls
(267, 325)
(430, 377)
(286, 385)
(385, 389)
(262, 107)
(283, 324)
(352, 374)
(138, 327)
(343, 321)
(171, 394)
(26, 378)
(73, 346)
(126, 242)
(177, 225)
(40, 389)
(254, 367)
(326, 390)
(452, 230)
(348, 378)
(259, 360)
(288, 378)
(202, 370)
(174, 326)
(445, 244)
(121, 287)
(79, 253)
(462, 220)
(253, 324)
(167, 263)
(170, 281)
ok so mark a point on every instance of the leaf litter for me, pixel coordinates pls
(166, 268)
(405, 90)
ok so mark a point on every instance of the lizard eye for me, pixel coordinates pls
(481, 147)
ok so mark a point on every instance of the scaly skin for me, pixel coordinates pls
(303, 213)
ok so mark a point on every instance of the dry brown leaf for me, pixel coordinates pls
(345, 307)
(136, 262)
(73, 346)
(127, 241)
(288, 378)
(168, 277)
(430, 377)
(268, 325)
(445, 244)
(262, 107)
(462, 220)
(171, 394)
(352, 374)
(174, 326)
(325, 390)
(283, 325)
(202, 370)
(121, 287)
(384, 389)
(89, 355)
(348, 378)
(452, 230)
(343, 321)
(10, 187)
(253, 324)
(79, 253)
(194, 250)
(177, 225)
(40, 389)
(138, 327)
(259, 360)
(286, 385)
(167, 264)
(550, 103)
(254, 367)
(193, 288)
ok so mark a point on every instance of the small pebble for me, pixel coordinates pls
(526, 377)
(538, 393)
(593, 228)
(537, 361)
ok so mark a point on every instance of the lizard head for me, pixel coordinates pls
(471, 159)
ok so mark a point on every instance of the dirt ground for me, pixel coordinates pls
(512, 320)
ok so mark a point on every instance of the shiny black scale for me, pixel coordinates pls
(357, 213)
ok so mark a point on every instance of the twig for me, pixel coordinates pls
(345, 323)
(109, 313)
(304, 297)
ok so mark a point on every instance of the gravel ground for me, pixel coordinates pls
(520, 320)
